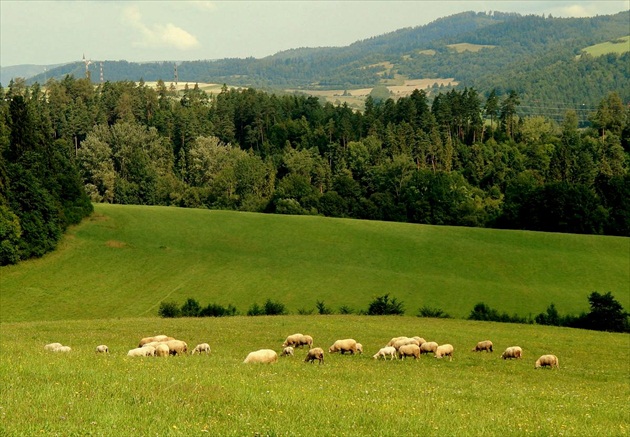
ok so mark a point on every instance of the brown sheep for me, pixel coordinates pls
(428, 347)
(485, 345)
(265, 356)
(317, 353)
(343, 346)
(512, 352)
(547, 360)
(409, 350)
(444, 350)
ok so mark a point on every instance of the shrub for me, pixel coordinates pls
(255, 310)
(322, 308)
(216, 310)
(426, 311)
(345, 310)
(551, 317)
(383, 306)
(483, 312)
(168, 309)
(274, 308)
(606, 314)
(191, 308)
(305, 312)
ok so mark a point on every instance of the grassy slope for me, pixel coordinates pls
(126, 259)
(475, 394)
(619, 46)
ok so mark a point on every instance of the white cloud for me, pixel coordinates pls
(158, 35)
(576, 11)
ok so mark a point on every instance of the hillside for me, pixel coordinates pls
(125, 260)
(518, 48)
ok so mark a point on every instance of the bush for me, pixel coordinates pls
(191, 308)
(483, 312)
(551, 317)
(383, 306)
(255, 310)
(305, 312)
(168, 309)
(345, 310)
(216, 310)
(426, 311)
(322, 308)
(274, 308)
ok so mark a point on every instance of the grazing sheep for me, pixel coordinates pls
(52, 346)
(343, 346)
(359, 348)
(444, 350)
(152, 343)
(420, 340)
(102, 349)
(293, 340)
(547, 360)
(148, 351)
(177, 347)
(62, 349)
(394, 340)
(409, 350)
(158, 338)
(428, 347)
(485, 345)
(203, 347)
(306, 340)
(162, 350)
(512, 352)
(317, 353)
(384, 352)
(262, 356)
(287, 351)
(403, 341)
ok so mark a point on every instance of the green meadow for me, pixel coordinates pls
(618, 46)
(475, 394)
(105, 282)
(124, 260)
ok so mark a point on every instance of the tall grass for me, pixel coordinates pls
(124, 260)
(82, 393)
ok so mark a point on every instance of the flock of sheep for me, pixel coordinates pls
(396, 348)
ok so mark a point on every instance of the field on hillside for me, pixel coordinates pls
(124, 260)
(619, 46)
(81, 393)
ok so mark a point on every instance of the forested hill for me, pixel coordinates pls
(538, 57)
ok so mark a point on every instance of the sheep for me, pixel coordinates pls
(306, 340)
(148, 351)
(359, 348)
(52, 346)
(262, 356)
(394, 340)
(203, 347)
(420, 340)
(409, 350)
(547, 360)
(444, 350)
(316, 353)
(152, 343)
(427, 347)
(177, 347)
(343, 346)
(384, 352)
(158, 338)
(62, 349)
(287, 351)
(162, 350)
(485, 345)
(102, 349)
(403, 341)
(292, 340)
(512, 352)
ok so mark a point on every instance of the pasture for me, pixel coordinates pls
(82, 393)
(619, 46)
(124, 260)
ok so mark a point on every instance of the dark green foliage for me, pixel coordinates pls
(344, 309)
(190, 308)
(427, 311)
(255, 310)
(606, 314)
(216, 310)
(168, 310)
(551, 317)
(481, 311)
(384, 306)
(272, 308)
(322, 308)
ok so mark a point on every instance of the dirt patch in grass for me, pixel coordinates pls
(116, 244)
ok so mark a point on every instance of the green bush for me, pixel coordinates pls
(426, 311)
(345, 310)
(216, 310)
(191, 308)
(168, 309)
(272, 308)
(322, 308)
(383, 306)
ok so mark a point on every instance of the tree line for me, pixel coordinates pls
(459, 158)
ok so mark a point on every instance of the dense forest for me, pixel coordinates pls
(459, 159)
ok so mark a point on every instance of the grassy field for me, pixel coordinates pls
(81, 393)
(125, 260)
(619, 46)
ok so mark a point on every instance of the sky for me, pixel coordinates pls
(58, 31)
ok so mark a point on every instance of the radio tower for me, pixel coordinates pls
(87, 62)
(102, 72)
(176, 76)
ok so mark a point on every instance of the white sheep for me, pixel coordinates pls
(444, 350)
(384, 352)
(148, 351)
(162, 350)
(62, 349)
(359, 348)
(287, 351)
(52, 346)
(317, 353)
(262, 356)
(409, 350)
(547, 360)
(102, 349)
(428, 347)
(343, 346)
(203, 347)
(512, 352)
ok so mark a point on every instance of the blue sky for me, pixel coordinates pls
(52, 31)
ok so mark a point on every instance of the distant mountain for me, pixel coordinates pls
(25, 71)
(535, 55)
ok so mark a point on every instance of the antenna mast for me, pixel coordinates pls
(102, 72)
(176, 76)
(87, 62)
